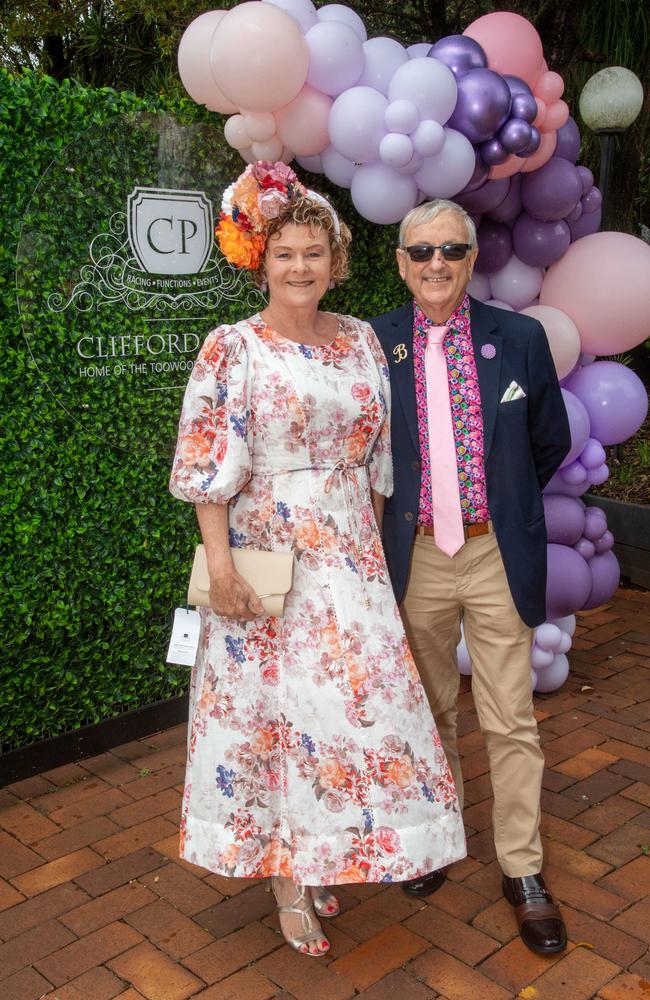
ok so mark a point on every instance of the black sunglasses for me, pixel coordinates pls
(421, 252)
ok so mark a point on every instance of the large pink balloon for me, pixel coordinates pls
(562, 334)
(303, 124)
(603, 284)
(259, 56)
(511, 44)
(194, 63)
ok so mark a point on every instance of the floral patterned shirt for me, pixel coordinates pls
(465, 402)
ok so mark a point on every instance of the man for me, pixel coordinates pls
(478, 429)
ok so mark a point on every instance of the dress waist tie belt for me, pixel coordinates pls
(344, 470)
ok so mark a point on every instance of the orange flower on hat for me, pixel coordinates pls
(245, 195)
(243, 249)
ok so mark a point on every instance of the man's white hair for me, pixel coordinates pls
(422, 214)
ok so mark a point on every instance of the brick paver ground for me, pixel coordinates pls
(95, 904)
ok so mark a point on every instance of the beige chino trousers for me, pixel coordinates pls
(472, 585)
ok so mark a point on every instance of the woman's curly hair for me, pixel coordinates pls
(304, 211)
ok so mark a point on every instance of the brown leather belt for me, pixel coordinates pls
(469, 530)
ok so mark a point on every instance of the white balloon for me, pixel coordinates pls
(381, 195)
(463, 658)
(194, 63)
(338, 169)
(419, 51)
(302, 11)
(516, 283)
(446, 174)
(565, 643)
(553, 677)
(430, 85)
(567, 624)
(547, 636)
(339, 12)
(382, 56)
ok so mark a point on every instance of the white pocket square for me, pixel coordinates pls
(514, 391)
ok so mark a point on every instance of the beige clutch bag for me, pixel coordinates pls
(270, 574)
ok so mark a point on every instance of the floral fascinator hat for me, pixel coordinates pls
(250, 205)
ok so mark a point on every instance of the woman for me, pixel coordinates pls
(313, 756)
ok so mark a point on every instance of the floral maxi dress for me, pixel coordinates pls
(312, 750)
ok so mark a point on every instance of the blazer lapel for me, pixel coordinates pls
(402, 376)
(488, 366)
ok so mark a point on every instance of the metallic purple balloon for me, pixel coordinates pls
(540, 244)
(481, 171)
(586, 177)
(486, 197)
(516, 85)
(510, 207)
(515, 135)
(524, 106)
(482, 106)
(494, 246)
(534, 144)
(493, 152)
(568, 141)
(460, 53)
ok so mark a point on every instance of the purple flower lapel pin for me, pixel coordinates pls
(488, 351)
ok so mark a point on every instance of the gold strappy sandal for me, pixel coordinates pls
(307, 915)
(325, 902)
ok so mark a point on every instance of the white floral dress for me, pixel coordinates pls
(312, 750)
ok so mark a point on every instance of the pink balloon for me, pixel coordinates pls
(543, 154)
(303, 124)
(549, 86)
(335, 57)
(259, 56)
(510, 42)
(235, 132)
(562, 334)
(508, 168)
(260, 125)
(611, 314)
(194, 63)
(557, 115)
(541, 113)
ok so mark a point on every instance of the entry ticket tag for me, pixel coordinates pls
(184, 643)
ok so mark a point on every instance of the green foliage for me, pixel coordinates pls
(96, 552)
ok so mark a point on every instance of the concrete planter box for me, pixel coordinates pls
(630, 525)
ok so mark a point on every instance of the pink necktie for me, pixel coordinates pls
(445, 494)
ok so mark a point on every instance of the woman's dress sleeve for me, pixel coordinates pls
(213, 452)
(381, 459)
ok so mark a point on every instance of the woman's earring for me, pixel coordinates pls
(264, 287)
(331, 284)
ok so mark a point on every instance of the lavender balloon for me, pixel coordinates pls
(578, 423)
(486, 197)
(540, 244)
(592, 201)
(593, 454)
(510, 207)
(615, 399)
(604, 543)
(568, 142)
(552, 191)
(586, 177)
(460, 53)
(494, 246)
(478, 178)
(568, 583)
(575, 214)
(586, 225)
(554, 676)
(482, 105)
(540, 657)
(606, 576)
(585, 548)
(565, 519)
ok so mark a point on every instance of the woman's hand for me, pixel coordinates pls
(232, 597)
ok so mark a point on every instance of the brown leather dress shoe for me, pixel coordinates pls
(424, 885)
(540, 923)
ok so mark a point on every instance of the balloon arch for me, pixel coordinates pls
(479, 118)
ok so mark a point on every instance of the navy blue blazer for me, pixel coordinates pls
(524, 442)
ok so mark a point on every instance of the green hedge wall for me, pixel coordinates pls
(95, 551)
